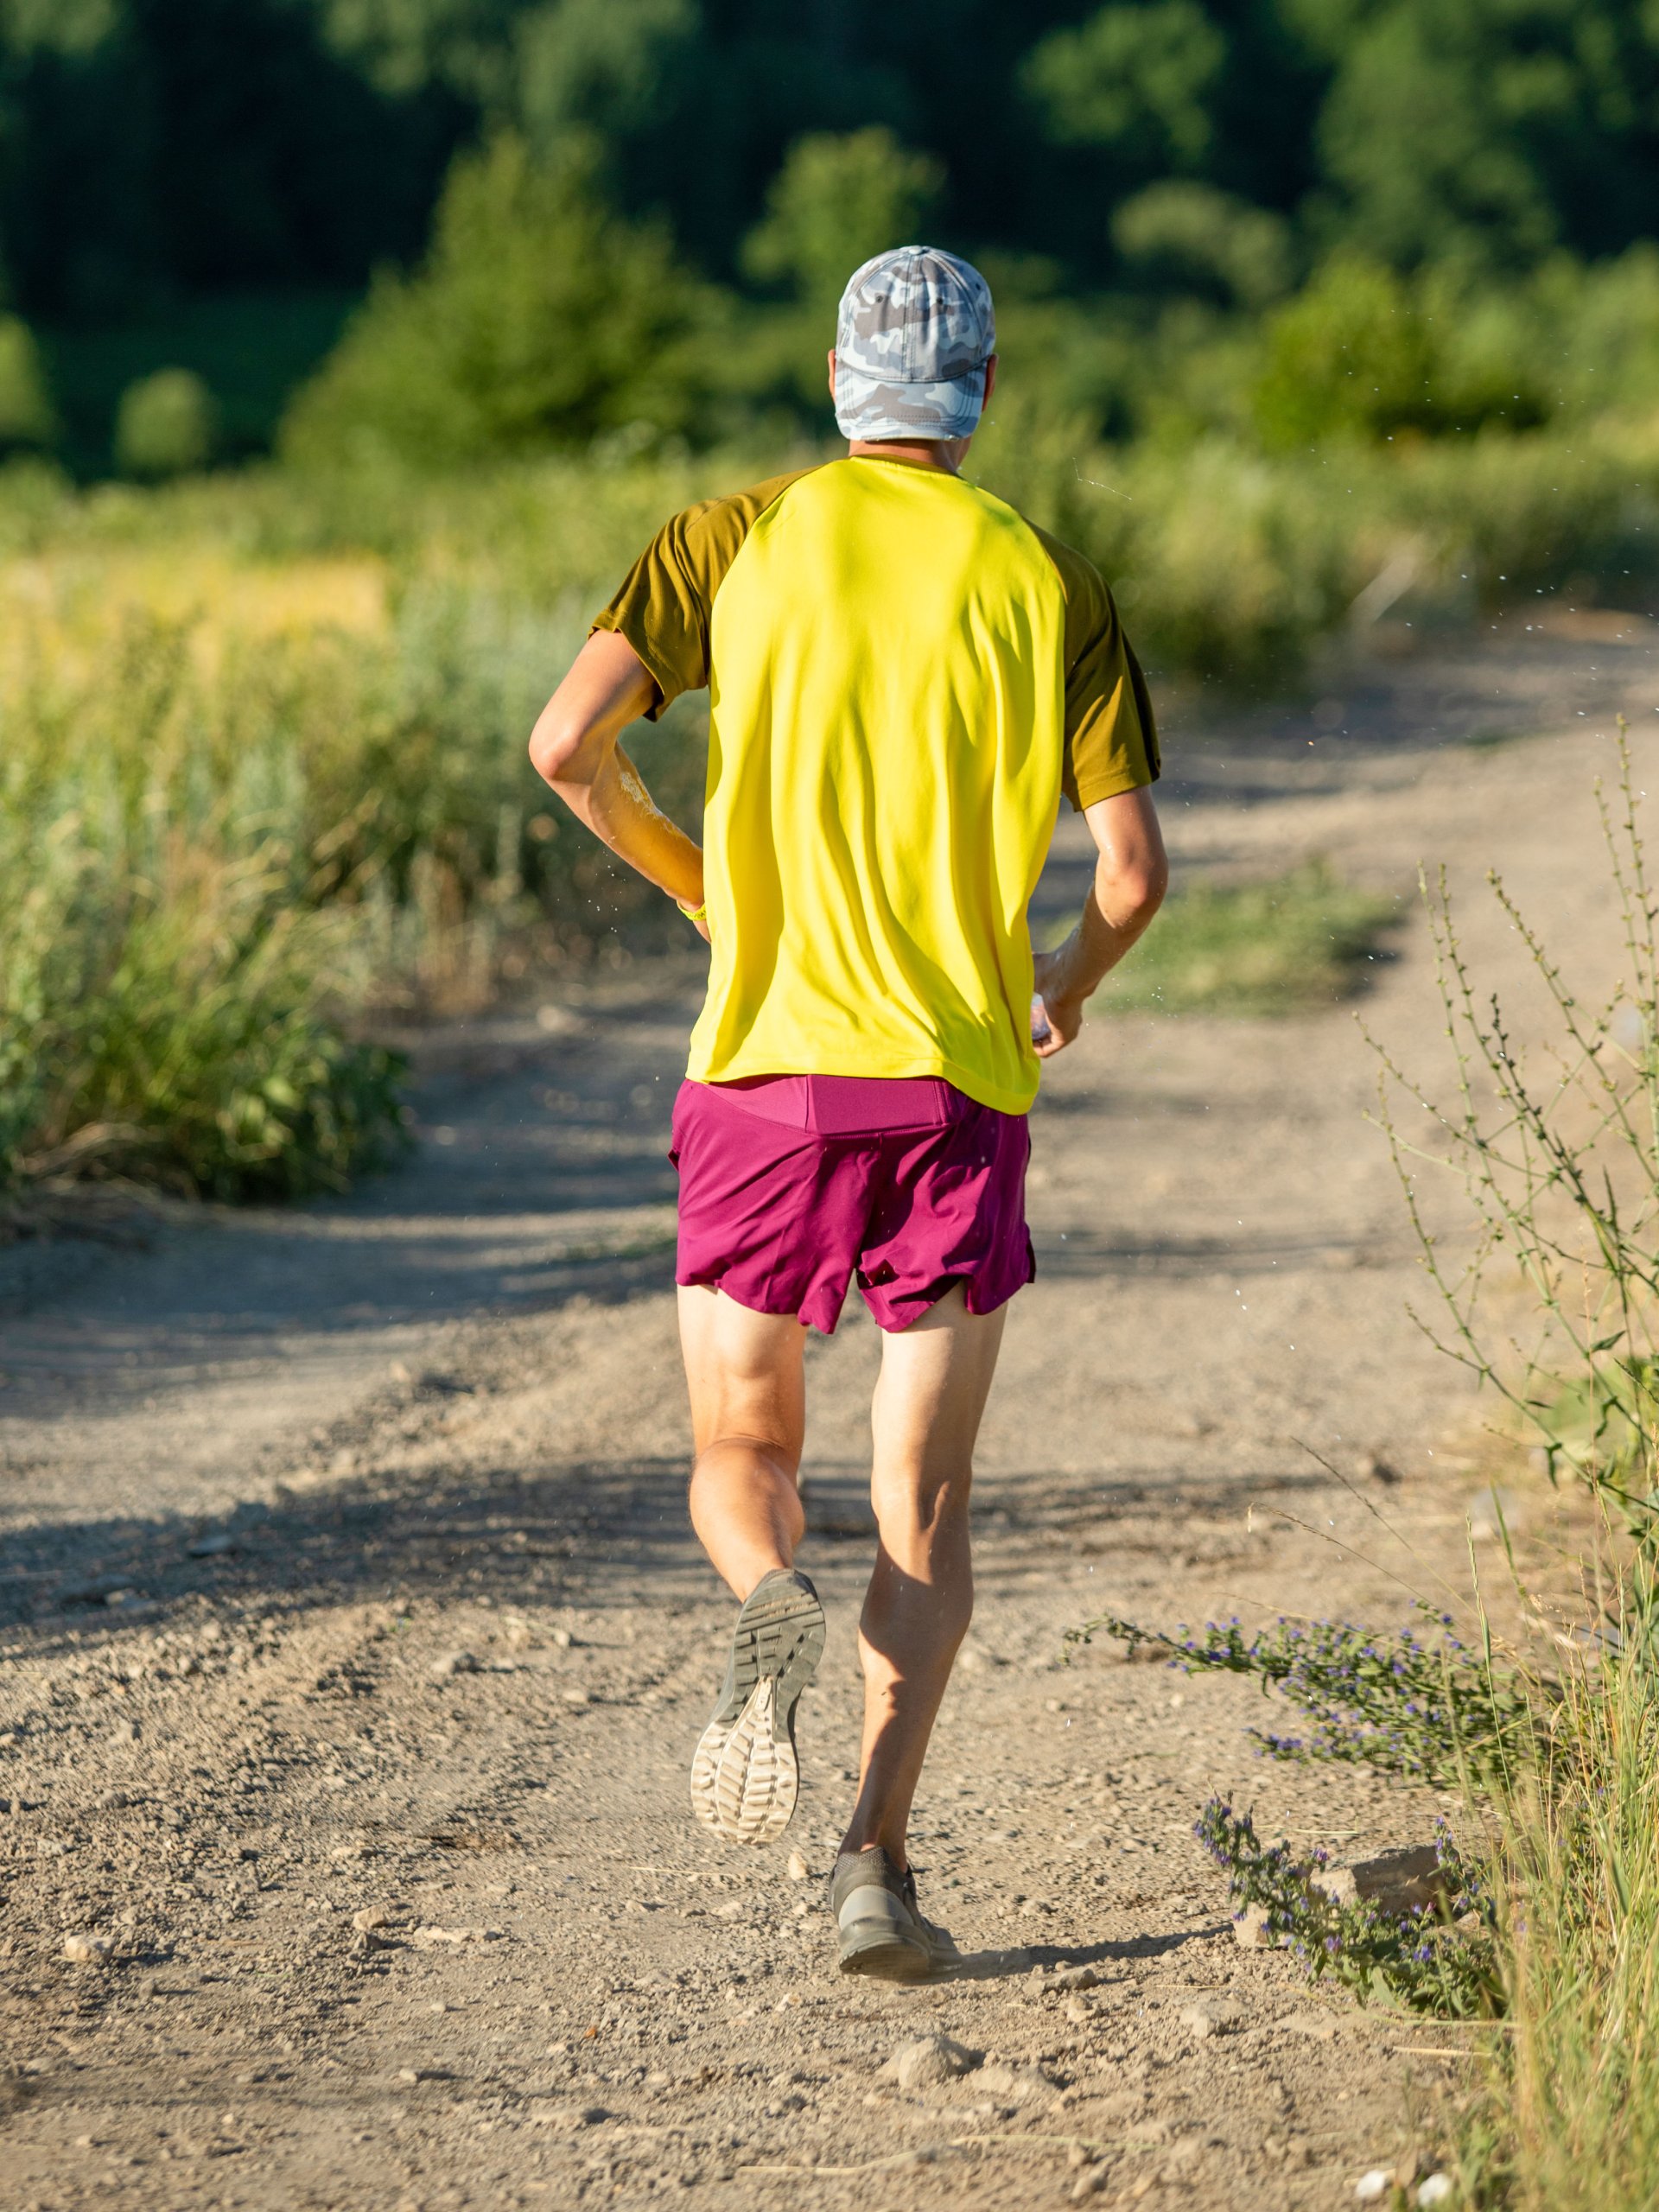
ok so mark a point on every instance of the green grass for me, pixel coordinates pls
(1567, 2115)
(1289, 945)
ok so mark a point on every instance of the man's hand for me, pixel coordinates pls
(575, 748)
(1064, 1015)
(1131, 876)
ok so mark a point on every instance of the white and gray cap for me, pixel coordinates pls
(915, 330)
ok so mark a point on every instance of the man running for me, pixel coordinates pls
(904, 674)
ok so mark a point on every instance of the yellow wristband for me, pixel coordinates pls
(693, 913)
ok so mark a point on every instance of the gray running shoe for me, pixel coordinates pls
(744, 1777)
(883, 1931)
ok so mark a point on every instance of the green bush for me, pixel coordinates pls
(172, 999)
(538, 319)
(27, 415)
(1348, 356)
(1226, 566)
(1597, 329)
(1235, 569)
(175, 1030)
(1364, 353)
(166, 425)
(252, 349)
(1517, 517)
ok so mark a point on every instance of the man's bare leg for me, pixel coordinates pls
(748, 1413)
(935, 1378)
(748, 1422)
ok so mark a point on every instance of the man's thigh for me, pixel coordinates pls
(744, 1372)
(935, 1376)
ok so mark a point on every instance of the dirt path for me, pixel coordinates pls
(375, 1777)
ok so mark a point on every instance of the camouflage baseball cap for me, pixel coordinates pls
(915, 330)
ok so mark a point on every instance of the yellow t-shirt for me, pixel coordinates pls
(903, 674)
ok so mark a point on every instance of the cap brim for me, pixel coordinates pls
(873, 407)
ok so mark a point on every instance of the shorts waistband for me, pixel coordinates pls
(848, 1105)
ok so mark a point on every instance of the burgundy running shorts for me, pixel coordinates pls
(792, 1185)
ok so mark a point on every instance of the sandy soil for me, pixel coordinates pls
(354, 1643)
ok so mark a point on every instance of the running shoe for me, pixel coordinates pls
(746, 1777)
(883, 1932)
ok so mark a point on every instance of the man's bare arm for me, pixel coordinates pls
(575, 746)
(1131, 876)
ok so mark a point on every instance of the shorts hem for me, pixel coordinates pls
(807, 1315)
(976, 1296)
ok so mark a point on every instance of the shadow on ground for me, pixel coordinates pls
(1007, 1966)
(591, 1532)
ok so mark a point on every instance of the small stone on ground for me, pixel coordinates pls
(929, 2061)
(87, 1950)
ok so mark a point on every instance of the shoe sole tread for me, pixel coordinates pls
(745, 1774)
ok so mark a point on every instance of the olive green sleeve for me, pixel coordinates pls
(667, 597)
(1111, 738)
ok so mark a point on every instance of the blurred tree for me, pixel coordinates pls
(1486, 130)
(1226, 92)
(697, 104)
(1195, 238)
(605, 64)
(1133, 80)
(538, 317)
(835, 202)
(159, 146)
(166, 425)
(404, 46)
(27, 415)
(156, 155)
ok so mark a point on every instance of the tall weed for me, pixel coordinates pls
(1557, 1155)
(1570, 2120)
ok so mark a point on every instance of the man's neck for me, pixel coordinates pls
(944, 454)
